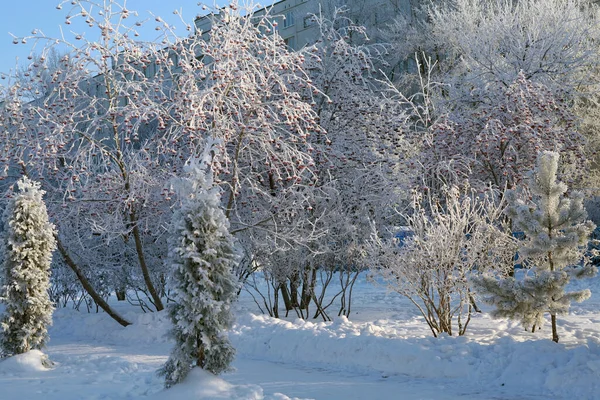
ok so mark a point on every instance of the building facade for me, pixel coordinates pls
(296, 23)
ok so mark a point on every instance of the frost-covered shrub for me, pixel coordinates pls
(202, 257)
(556, 234)
(451, 238)
(27, 243)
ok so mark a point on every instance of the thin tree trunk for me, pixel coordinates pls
(142, 259)
(286, 298)
(294, 290)
(554, 330)
(133, 219)
(320, 309)
(308, 286)
(349, 308)
(276, 303)
(201, 354)
(88, 287)
(551, 261)
(473, 303)
(121, 296)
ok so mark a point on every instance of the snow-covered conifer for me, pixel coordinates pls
(201, 253)
(27, 243)
(556, 233)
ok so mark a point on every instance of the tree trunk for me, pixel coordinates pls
(88, 287)
(554, 330)
(120, 294)
(308, 286)
(133, 222)
(140, 253)
(286, 298)
(201, 354)
(305, 297)
(294, 290)
(276, 303)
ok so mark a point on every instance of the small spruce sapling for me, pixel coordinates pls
(556, 234)
(201, 253)
(27, 244)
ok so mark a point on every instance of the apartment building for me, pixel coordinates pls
(297, 26)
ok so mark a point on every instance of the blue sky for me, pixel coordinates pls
(21, 17)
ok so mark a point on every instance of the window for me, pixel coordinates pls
(288, 20)
(290, 42)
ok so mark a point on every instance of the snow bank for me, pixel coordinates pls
(529, 366)
(32, 361)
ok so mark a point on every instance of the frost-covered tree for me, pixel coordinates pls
(497, 142)
(122, 115)
(356, 165)
(27, 243)
(201, 256)
(486, 44)
(556, 235)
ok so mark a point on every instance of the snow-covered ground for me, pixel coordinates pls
(384, 351)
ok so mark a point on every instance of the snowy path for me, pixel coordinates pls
(86, 371)
(325, 384)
